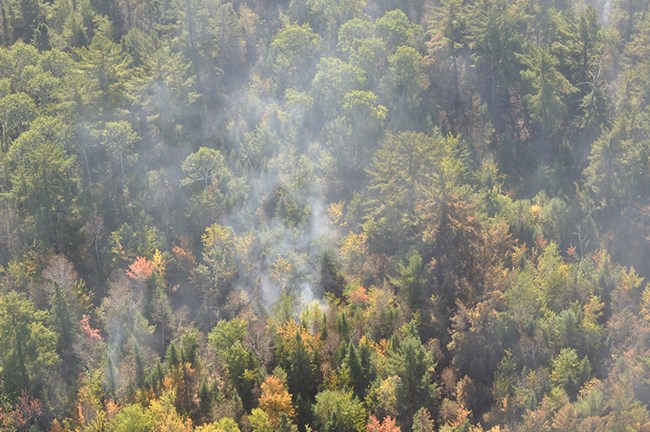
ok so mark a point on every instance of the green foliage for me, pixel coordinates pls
(333, 80)
(550, 87)
(30, 347)
(105, 68)
(227, 341)
(414, 366)
(18, 110)
(45, 183)
(339, 411)
(132, 417)
(295, 49)
(226, 334)
(118, 138)
(206, 166)
(411, 280)
(569, 372)
(405, 211)
(406, 80)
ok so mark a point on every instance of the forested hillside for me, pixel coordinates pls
(324, 215)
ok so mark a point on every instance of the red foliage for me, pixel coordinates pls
(91, 333)
(24, 414)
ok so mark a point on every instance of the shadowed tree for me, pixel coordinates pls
(29, 348)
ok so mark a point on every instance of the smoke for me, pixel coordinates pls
(605, 11)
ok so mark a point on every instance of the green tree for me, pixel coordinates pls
(63, 321)
(411, 280)
(18, 110)
(217, 270)
(414, 366)
(371, 55)
(229, 37)
(118, 137)
(352, 33)
(333, 80)
(65, 297)
(45, 184)
(569, 372)
(357, 362)
(402, 170)
(337, 411)
(206, 166)
(331, 278)
(405, 82)
(227, 340)
(208, 178)
(294, 51)
(450, 23)
(616, 174)
(496, 40)
(546, 103)
(170, 95)
(354, 136)
(422, 421)
(107, 68)
(395, 29)
(132, 418)
(29, 352)
(301, 374)
(25, 15)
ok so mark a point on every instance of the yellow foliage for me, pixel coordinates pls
(56, 426)
(275, 399)
(166, 418)
(159, 263)
(385, 395)
(335, 213)
(645, 304)
(282, 268)
(380, 347)
(288, 331)
(535, 210)
(462, 416)
(630, 280)
(354, 245)
(224, 425)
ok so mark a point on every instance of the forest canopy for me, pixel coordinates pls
(324, 215)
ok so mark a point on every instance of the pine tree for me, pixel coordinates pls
(205, 399)
(173, 358)
(351, 360)
(139, 365)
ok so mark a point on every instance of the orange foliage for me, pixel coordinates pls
(141, 269)
(388, 425)
(359, 296)
(91, 333)
(462, 416)
(184, 256)
(112, 408)
(380, 347)
(182, 380)
(572, 252)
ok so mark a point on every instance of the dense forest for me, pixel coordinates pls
(324, 215)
